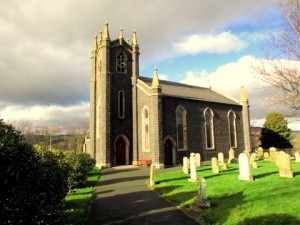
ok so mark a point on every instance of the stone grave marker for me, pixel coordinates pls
(273, 153)
(221, 158)
(186, 165)
(225, 166)
(201, 200)
(244, 168)
(253, 159)
(198, 159)
(152, 175)
(231, 156)
(260, 153)
(214, 165)
(297, 156)
(266, 156)
(193, 171)
(284, 165)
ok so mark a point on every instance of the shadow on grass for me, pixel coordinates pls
(221, 207)
(184, 177)
(296, 173)
(274, 219)
(166, 189)
(264, 174)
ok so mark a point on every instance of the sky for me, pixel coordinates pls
(46, 46)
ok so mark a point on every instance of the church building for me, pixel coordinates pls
(135, 118)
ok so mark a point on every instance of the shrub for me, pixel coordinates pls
(81, 164)
(33, 185)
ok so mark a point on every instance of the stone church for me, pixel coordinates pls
(135, 118)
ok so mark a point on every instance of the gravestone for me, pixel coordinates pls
(152, 175)
(284, 165)
(260, 153)
(273, 153)
(193, 171)
(231, 156)
(266, 156)
(214, 165)
(198, 159)
(253, 158)
(186, 165)
(221, 158)
(244, 168)
(201, 200)
(297, 156)
(225, 166)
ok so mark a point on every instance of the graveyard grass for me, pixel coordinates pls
(77, 203)
(269, 199)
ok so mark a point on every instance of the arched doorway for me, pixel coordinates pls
(120, 151)
(168, 150)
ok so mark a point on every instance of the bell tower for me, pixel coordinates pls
(114, 73)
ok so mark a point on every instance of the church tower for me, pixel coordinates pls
(114, 71)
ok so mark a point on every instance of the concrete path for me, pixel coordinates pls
(122, 197)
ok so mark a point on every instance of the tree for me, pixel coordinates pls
(280, 67)
(275, 132)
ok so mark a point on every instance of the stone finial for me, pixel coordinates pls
(134, 40)
(243, 97)
(94, 47)
(105, 35)
(121, 36)
(99, 38)
(155, 81)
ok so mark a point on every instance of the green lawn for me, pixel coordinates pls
(78, 202)
(269, 199)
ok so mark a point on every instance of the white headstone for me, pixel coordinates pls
(214, 165)
(297, 156)
(244, 168)
(231, 155)
(186, 165)
(193, 168)
(284, 165)
(198, 159)
(152, 175)
(221, 158)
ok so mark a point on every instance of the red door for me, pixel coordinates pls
(120, 152)
(168, 153)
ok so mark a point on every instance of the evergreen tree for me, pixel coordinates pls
(275, 132)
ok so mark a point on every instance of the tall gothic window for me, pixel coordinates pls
(121, 63)
(121, 104)
(181, 128)
(232, 129)
(209, 128)
(145, 130)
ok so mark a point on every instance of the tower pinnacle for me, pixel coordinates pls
(243, 94)
(121, 36)
(134, 40)
(155, 81)
(105, 32)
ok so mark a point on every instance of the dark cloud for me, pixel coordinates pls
(45, 45)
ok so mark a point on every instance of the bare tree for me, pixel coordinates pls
(280, 67)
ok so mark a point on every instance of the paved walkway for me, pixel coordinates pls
(122, 197)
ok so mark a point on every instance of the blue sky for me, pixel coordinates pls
(45, 50)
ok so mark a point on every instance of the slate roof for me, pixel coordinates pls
(191, 92)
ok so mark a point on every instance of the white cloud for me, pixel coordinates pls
(46, 115)
(230, 77)
(221, 43)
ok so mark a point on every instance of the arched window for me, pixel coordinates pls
(121, 63)
(121, 104)
(209, 128)
(145, 130)
(232, 129)
(181, 128)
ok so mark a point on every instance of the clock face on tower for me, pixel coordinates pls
(121, 63)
